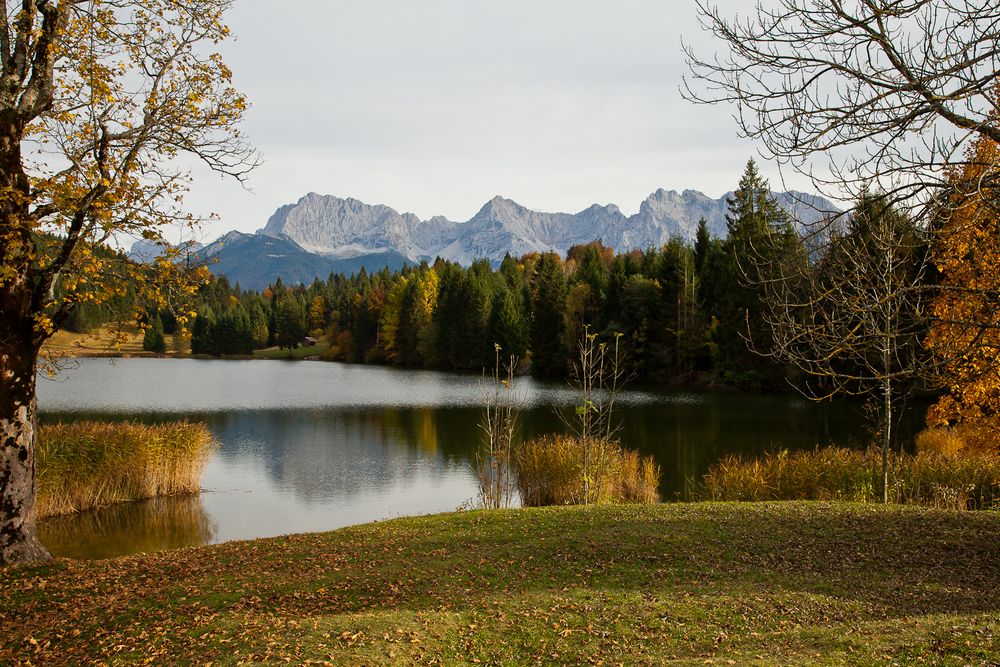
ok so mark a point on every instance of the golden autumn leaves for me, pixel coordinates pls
(965, 336)
(133, 86)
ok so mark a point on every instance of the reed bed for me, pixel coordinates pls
(945, 478)
(89, 465)
(550, 471)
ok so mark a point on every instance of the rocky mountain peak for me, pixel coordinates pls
(347, 227)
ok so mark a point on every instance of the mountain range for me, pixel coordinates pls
(337, 227)
(323, 234)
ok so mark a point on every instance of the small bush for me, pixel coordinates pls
(88, 465)
(550, 472)
(968, 480)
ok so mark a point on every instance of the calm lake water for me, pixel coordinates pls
(311, 446)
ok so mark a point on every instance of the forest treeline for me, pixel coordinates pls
(680, 308)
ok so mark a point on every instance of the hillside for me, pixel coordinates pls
(258, 261)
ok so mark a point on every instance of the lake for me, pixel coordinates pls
(312, 446)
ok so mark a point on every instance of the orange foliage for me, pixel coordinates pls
(966, 333)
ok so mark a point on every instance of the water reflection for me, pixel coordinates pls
(325, 456)
(153, 525)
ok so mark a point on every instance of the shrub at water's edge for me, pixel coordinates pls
(88, 465)
(963, 480)
(550, 471)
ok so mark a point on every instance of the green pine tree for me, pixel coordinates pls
(153, 340)
(548, 355)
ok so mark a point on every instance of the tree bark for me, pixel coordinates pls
(886, 438)
(18, 435)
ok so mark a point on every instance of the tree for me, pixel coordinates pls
(758, 231)
(153, 339)
(884, 92)
(548, 356)
(290, 320)
(508, 327)
(965, 336)
(317, 313)
(854, 321)
(203, 332)
(97, 101)
(258, 325)
(702, 243)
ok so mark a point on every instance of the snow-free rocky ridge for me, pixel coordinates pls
(341, 228)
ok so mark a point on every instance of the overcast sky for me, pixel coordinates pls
(435, 106)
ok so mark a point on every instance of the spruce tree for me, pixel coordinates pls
(702, 242)
(290, 321)
(153, 340)
(548, 356)
(202, 332)
(756, 223)
(508, 327)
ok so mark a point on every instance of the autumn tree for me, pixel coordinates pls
(965, 337)
(99, 101)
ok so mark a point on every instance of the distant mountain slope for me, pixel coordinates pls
(256, 261)
(347, 227)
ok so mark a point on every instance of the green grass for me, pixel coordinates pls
(690, 584)
(88, 465)
(297, 353)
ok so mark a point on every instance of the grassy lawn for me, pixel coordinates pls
(743, 584)
(100, 342)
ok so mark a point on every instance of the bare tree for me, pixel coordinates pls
(501, 404)
(98, 100)
(598, 378)
(884, 92)
(853, 321)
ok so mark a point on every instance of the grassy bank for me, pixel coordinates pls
(87, 465)
(785, 583)
(101, 342)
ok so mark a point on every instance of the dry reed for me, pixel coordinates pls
(89, 465)
(550, 471)
(960, 439)
(963, 480)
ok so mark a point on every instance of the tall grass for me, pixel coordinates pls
(550, 471)
(88, 465)
(963, 480)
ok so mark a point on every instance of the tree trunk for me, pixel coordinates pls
(886, 439)
(18, 435)
(19, 345)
